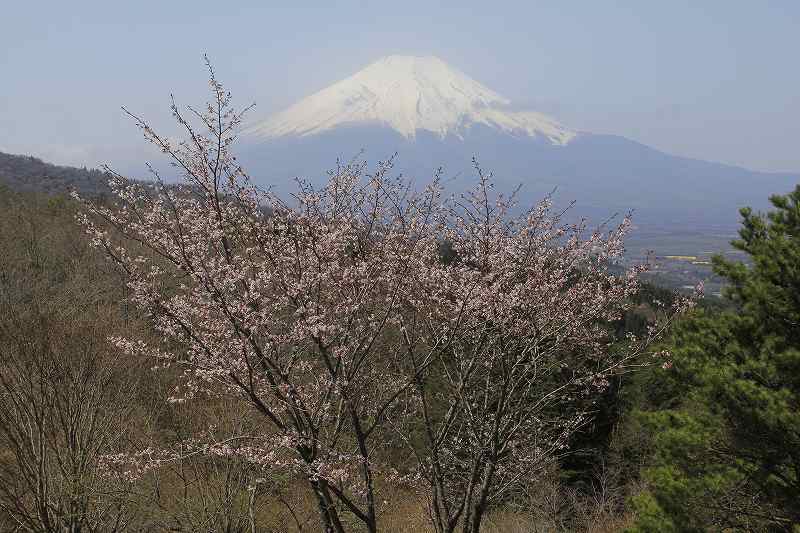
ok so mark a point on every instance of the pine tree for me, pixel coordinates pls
(726, 435)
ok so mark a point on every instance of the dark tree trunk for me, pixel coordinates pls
(329, 516)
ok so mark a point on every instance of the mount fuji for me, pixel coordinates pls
(407, 95)
(433, 115)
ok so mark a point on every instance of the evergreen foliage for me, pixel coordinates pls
(725, 427)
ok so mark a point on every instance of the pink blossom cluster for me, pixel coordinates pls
(332, 312)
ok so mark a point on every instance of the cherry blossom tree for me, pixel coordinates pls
(535, 297)
(335, 317)
(290, 306)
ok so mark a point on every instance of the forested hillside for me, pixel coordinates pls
(27, 173)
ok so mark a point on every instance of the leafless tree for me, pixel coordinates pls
(61, 408)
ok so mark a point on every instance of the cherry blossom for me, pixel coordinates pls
(337, 318)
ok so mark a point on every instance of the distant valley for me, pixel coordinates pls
(681, 255)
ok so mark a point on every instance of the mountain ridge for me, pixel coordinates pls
(434, 115)
(602, 174)
(26, 173)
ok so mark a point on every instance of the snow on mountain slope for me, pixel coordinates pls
(408, 94)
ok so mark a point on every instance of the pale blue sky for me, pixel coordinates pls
(716, 80)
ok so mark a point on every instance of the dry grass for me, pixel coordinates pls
(407, 513)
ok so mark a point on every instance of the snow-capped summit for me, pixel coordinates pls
(435, 117)
(409, 94)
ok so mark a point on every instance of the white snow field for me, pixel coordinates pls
(409, 94)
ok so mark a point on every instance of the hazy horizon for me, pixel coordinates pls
(704, 81)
